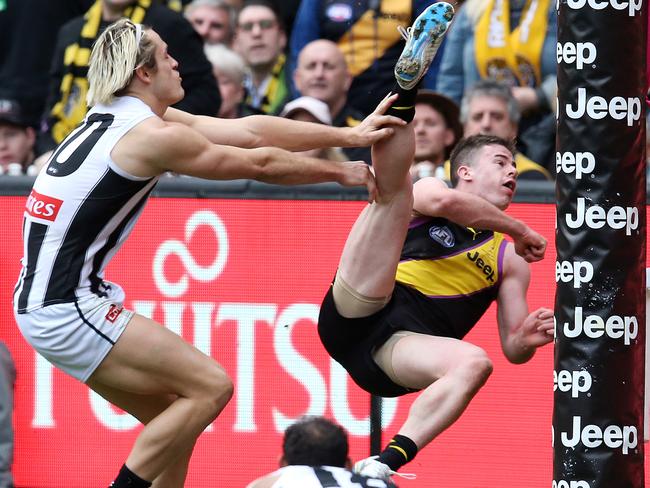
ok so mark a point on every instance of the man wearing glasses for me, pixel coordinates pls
(260, 39)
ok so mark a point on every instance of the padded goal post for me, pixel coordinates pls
(601, 245)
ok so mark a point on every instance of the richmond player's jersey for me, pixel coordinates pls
(81, 209)
(457, 268)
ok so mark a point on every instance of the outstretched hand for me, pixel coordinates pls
(531, 246)
(358, 173)
(374, 127)
(537, 329)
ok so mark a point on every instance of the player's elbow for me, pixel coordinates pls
(252, 128)
(263, 167)
(518, 355)
(519, 359)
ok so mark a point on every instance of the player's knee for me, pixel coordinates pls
(222, 388)
(398, 195)
(476, 369)
(484, 368)
(217, 390)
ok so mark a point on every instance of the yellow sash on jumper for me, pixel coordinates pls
(372, 35)
(71, 108)
(513, 57)
(460, 275)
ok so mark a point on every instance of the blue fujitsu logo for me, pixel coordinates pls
(442, 235)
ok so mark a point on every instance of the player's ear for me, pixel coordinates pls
(143, 74)
(348, 463)
(282, 462)
(464, 172)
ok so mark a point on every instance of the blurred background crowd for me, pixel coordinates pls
(326, 61)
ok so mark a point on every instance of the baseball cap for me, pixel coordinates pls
(12, 113)
(315, 107)
(446, 106)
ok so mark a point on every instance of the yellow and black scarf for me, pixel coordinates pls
(176, 5)
(513, 57)
(71, 108)
(276, 92)
(372, 34)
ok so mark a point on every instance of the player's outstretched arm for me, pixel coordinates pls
(521, 332)
(433, 198)
(178, 148)
(292, 135)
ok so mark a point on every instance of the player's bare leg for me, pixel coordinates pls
(150, 360)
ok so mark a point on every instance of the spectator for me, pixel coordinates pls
(524, 59)
(17, 138)
(309, 109)
(366, 32)
(214, 20)
(67, 103)
(7, 380)
(322, 73)
(28, 31)
(437, 128)
(260, 40)
(489, 107)
(229, 70)
(315, 455)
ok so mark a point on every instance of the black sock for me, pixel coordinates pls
(128, 479)
(404, 106)
(399, 451)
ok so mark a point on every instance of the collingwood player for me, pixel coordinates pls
(85, 203)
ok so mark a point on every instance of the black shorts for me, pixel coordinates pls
(352, 342)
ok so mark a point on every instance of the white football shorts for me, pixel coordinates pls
(75, 337)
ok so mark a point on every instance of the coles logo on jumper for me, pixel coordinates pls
(42, 206)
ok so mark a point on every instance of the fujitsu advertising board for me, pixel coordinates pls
(242, 280)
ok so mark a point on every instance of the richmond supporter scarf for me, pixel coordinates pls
(374, 33)
(71, 108)
(176, 5)
(513, 57)
(275, 91)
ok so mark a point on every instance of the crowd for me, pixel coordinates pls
(317, 61)
(325, 61)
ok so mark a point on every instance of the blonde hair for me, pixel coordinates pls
(118, 52)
